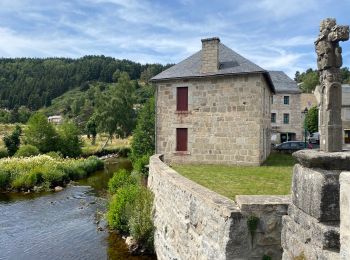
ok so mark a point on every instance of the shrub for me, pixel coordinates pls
(120, 206)
(140, 165)
(55, 177)
(140, 222)
(55, 155)
(120, 178)
(27, 151)
(26, 172)
(12, 141)
(3, 153)
(144, 135)
(4, 179)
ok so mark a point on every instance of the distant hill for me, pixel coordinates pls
(36, 82)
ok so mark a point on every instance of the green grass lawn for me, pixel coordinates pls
(273, 178)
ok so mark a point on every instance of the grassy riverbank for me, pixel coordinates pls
(273, 178)
(44, 171)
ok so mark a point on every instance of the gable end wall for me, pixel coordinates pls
(227, 120)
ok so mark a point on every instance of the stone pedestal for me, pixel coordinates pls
(311, 228)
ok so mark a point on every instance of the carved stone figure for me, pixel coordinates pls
(329, 93)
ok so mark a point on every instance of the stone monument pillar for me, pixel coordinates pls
(311, 228)
(329, 93)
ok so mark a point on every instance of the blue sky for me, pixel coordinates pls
(275, 34)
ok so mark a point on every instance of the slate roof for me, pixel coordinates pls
(230, 63)
(283, 83)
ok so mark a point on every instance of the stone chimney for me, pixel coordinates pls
(210, 55)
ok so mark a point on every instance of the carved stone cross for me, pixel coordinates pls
(329, 92)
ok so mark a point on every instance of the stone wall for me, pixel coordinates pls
(311, 229)
(228, 120)
(193, 222)
(345, 215)
(295, 117)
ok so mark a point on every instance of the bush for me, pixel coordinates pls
(12, 141)
(26, 181)
(3, 153)
(43, 170)
(120, 178)
(55, 155)
(144, 135)
(140, 165)
(27, 151)
(4, 179)
(140, 222)
(120, 206)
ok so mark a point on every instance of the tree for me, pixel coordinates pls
(70, 142)
(91, 129)
(309, 80)
(144, 135)
(41, 133)
(115, 107)
(12, 142)
(311, 120)
(23, 114)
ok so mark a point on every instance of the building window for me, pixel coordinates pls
(286, 100)
(182, 99)
(181, 139)
(271, 99)
(273, 117)
(285, 118)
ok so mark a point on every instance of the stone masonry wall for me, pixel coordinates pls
(228, 120)
(345, 215)
(311, 228)
(210, 55)
(295, 117)
(193, 222)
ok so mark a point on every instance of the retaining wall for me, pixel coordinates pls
(193, 222)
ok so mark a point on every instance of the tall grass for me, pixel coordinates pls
(44, 170)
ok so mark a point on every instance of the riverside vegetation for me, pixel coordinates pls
(131, 203)
(44, 172)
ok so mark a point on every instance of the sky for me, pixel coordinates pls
(274, 34)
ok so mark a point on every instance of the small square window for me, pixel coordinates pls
(285, 118)
(286, 100)
(273, 117)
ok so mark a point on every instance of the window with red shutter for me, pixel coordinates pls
(182, 99)
(181, 139)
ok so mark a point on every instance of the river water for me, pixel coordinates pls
(62, 225)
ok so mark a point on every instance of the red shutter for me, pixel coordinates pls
(181, 139)
(182, 99)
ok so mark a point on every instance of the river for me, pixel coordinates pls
(62, 225)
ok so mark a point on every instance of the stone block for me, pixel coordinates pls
(311, 231)
(345, 215)
(316, 192)
(299, 243)
(324, 160)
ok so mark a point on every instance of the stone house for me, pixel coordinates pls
(286, 116)
(214, 108)
(346, 113)
(57, 119)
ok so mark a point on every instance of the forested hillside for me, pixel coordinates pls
(34, 82)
